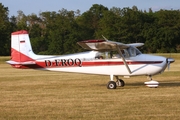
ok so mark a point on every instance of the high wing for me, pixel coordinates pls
(105, 45)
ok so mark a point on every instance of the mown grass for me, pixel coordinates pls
(4, 58)
(30, 94)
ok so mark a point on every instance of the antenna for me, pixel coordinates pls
(105, 38)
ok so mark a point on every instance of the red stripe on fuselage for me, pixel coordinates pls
(86, 64)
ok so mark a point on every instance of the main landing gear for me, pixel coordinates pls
(112, 84)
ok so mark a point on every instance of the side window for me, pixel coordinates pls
(103, 55)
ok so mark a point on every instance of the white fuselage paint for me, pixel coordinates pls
(136, 69)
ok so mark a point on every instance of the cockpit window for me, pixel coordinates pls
(129, 52)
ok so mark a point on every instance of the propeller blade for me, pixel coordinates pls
(168, 65)
(169, 61)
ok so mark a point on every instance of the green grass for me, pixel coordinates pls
(30, 94)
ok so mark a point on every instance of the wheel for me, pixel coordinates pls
(111, 85)
(120, 83)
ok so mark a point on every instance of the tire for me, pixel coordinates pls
(111, 85)
(120, 83)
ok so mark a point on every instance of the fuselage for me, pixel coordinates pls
(87, 62)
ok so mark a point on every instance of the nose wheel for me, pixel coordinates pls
(152, 83)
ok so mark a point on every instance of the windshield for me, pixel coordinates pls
(132, 51)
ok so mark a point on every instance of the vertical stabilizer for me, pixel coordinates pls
(21, 50)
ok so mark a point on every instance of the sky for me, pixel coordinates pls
(36, 6)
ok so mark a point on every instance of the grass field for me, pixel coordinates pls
(30, 94)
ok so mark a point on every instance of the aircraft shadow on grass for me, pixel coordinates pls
(140, 84)
(170, 84)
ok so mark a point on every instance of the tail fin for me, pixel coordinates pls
(21, 50)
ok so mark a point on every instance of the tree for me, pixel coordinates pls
(131, 25)
(4, 31)
(109, 26)
(89, 20)
(21, 21)
(36, 32)
(62, 32)
(58, 32)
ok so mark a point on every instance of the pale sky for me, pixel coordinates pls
(37, 6)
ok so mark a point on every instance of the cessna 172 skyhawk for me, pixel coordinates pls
(128, 61)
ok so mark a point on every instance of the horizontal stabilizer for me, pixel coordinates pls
(21, 63)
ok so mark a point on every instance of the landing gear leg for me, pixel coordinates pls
(111, 84)
(150, 77)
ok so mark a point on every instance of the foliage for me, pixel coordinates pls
(4, 30)
(58, 32)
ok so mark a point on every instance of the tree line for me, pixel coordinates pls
(58, 32)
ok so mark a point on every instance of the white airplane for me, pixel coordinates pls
(128, 60)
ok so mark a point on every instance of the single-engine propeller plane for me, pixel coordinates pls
(105, 57)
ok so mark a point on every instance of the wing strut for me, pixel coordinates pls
(125, 63)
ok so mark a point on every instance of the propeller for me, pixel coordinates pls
(169, 61)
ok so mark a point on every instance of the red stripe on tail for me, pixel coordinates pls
(19, 57)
